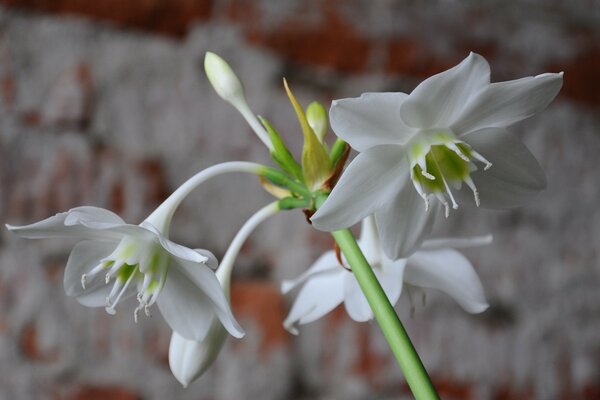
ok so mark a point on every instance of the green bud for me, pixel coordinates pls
(316, 165)
(317, 119)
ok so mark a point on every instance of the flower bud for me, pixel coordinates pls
(317, 119)
(189, 359)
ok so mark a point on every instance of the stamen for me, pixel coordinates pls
(427, 175)
(136, 314)
(458, 151)
(442, 200)
(147, 311)
(111, 309)
(107, 278)
(473, 188)
(482, 159)
(83, 281)
(423, 164)
(449, 192)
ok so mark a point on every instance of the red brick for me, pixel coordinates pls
(261, 302)
(581, 80)
(30, 347)
(156, 182)
(104, 393)
(332, 43)
(167, 17)
(368, 364)
(409, 56)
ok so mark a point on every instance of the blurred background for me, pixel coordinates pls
(105, 103)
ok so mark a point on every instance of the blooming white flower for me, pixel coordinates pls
(436, 265)
(115, 260)
(450, 130)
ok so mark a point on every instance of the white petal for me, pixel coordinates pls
(189, 359)
(176, 249)
(318, 296)
(504, 103)
(370, 120)
(450, 272)
(355, 301)
(391, 279)
(457, 243)
(327, 262)
(438, 100)
(369, 240)
(368, 183)
(185, 307)
(66, 224)
(211, 261)
(96, 296)
(85, 256)
(92, 215)
(404, 223)
(515, 176)
(191, 297)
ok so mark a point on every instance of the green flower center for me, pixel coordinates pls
(136, 262)
(439, 161)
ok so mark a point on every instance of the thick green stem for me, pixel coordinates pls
(395, 334)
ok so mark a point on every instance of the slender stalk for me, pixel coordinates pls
(161, 217)
(395, 334)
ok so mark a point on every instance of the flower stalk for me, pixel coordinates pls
(416, 376)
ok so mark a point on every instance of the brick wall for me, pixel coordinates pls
(105, 103)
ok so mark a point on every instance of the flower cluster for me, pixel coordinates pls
(443, 145)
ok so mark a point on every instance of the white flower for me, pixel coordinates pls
(326, 283)
(450, 130)
(115, 260)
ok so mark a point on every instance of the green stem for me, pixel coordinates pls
(395, 334)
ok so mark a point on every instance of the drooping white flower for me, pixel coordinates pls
(115, 260)
(414, 148)
(189, 359)
(437, 265)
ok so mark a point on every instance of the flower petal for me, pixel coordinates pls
(319, 295)
(190, 299)
(450, 272)
(85, 215)
(504, 103)
(457, 243)
(391, 279)
(66, 224)
(404, 223)
(96, 296)
(187, 310)
(370, 120)
(515, 176)
(370, 180)
(85, 256)
(438, 100)
(355, 301)
(327, 262)
(176, 249)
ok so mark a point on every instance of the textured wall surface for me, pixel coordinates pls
(105, 103)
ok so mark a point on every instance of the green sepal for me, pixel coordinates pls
(316, 165)
(316, 115)
(337, 150)
(280, 153)
(281, 179)
(289, 203)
